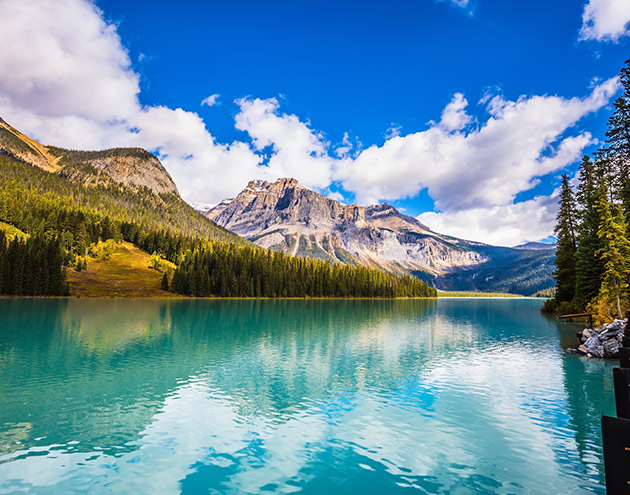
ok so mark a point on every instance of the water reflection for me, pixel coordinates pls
(247, 396)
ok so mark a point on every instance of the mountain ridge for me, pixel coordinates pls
(133, 167)
(287, 217)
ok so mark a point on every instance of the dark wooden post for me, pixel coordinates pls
(616, 439)
(616, 431)
(621, 378)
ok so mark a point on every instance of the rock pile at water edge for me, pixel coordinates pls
(603, 341)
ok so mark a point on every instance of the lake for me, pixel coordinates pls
(466, 396)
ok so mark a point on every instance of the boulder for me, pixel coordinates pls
(597, 351)
(611, 333)
(615, 325)
(583, 349)
(611, 348)
(594, 347)
(591, 341)
(586, 334)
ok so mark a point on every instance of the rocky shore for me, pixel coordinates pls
(604, 341)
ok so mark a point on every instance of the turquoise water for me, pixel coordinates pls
(199, 397)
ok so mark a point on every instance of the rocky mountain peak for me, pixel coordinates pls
(286, 182)
(285, 216)
(257, 185)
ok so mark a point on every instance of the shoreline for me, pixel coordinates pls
(213, 298)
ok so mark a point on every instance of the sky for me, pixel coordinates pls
(463, 113)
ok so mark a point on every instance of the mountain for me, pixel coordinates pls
(284, 216)
(133, 167)
(123, 184)
(535, 246)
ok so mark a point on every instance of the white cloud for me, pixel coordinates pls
(345, 147)
(501, 225)
(488, 165)
(62, 58)
(393, 131)
(297, 150)
(605, 20)
(337, 196)
(454, 116)
(211, 100)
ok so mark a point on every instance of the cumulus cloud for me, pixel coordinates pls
(500, 225)
(605, 20)
(345, 147)
(454, 116)
(211, 100)
(297, 150)
(483, 166)
(62, 58)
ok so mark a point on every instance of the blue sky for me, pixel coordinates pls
(348, 97)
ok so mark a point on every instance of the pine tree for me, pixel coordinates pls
(165, 281)
(565, 231)
(588, 266)
(618, 142)
(616, 255)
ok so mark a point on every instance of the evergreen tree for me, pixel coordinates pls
(588, 266)
(616, 255)
(618, 142)
(565, 231)
(165, 281)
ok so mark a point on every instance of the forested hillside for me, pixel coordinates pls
(64, 213)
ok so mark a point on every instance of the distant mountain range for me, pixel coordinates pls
(533, 246)
(287, 217)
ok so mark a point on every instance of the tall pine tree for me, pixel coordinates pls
(618, 143)
(565, 231)
(588, 266)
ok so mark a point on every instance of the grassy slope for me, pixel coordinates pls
(125, 274)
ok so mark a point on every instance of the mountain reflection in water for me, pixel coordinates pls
(247, 396)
